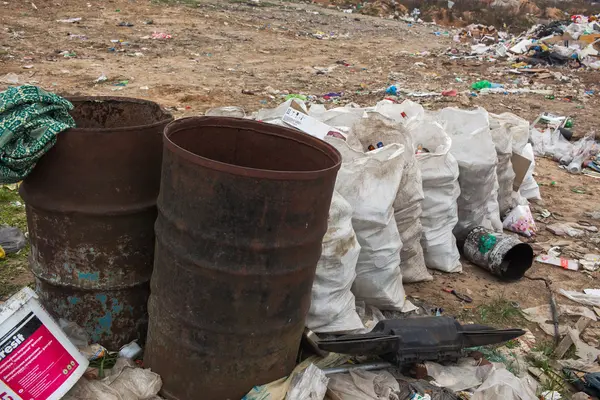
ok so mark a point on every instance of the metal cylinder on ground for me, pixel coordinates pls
(503, 255)
(91, 208)
(243, 209)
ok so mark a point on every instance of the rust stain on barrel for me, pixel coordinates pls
(91, 207)
(243, 209)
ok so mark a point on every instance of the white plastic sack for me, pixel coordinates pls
(341, 118)
(332, 309)
(439, 172)
(473, 148)
(529, 187)
(500, 129)
(377, 128)
(408, 113)
(369, 181)
(310, 384)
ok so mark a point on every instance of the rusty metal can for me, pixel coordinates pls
(243, 209)
(503, 255)
(91, 208)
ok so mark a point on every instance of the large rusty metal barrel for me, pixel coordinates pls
(243, 210)
(91, 208)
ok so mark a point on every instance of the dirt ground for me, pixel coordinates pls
(220, 48)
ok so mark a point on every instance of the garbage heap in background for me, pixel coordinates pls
(574, 43)
(412, 183)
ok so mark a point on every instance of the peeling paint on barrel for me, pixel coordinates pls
(91, 207)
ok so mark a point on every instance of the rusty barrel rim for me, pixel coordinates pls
(257, 127)
(167, 116)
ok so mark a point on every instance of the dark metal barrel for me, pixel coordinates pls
(243, 210)
(91, 208)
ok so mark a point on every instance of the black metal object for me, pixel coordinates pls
(91, 207)
(243, 209)
(413, 340)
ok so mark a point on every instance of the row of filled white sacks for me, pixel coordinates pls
(398, 209)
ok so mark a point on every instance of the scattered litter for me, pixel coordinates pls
(130, 350)
(501, 384)
(590, 262)
(466, 374)
(69, 20)
(310, 384)
(12, 240)
(364, 385)
(564, 263)
(562, 229)
(101, 78)
(585, 299)
(521, 221)
(10, 78)
(542, 314)
(161, 35)
(125, 24)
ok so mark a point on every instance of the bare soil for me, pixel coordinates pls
(220, 48)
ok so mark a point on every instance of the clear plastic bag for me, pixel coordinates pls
(581, 151)
(11, 239)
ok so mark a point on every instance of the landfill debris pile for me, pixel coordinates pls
(575, 44)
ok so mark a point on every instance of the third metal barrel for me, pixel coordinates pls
(91, 207)
(243, 209)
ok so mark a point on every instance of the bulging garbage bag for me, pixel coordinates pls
(374, 129)
(473, 148)
(369, 181)
(439, 172)
(500, 129)
(332, 309)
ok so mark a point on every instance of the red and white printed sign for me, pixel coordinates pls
(33, 363)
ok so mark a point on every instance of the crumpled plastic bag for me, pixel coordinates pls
(466, 374)
(277, 390)
(11, 239)
(521, 221)
(126, 382)
(310, 384)
(501, 384)
(364, 385)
